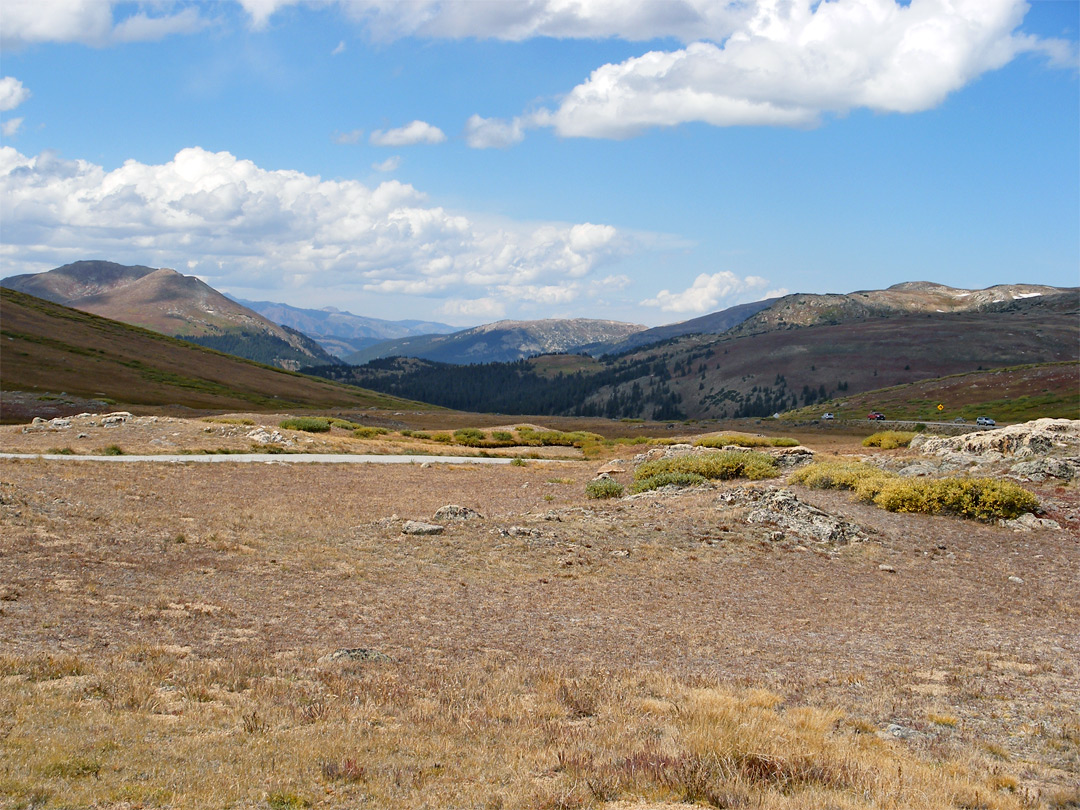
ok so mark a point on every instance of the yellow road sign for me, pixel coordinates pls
(940, 407)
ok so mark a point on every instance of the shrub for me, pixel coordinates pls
(678, 479)
(889, 439)
(369, 432)
(470, 437)
(416, 434)
(113, 450)
(975, 498)
(61, 451)
(344, 424)
(518, 462)
(740, 440)
(442, 438)
(714, 466)
(604, 488)
(225, 420)
(502, 436)
(556, 438)
(310, 424)
(864, 480)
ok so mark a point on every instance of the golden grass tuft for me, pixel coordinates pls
(296, 732)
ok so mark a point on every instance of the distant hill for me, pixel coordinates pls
(739, 375)
(49, 348)
(502, 341)
(340, 332)
(174, 304)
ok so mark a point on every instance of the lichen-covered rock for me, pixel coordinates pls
(782, 508)
(453, 511)
(419, 528)
(1040, 469)
(1027, 522)
(1037, 438)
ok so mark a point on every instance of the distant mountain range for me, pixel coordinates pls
(342, 333)
(173, 304)
(503, 341)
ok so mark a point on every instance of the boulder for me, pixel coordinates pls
(1028, 522)
(1040, 469)
(454, 512)
(419, 528)
(783, 509)
(1036, 438)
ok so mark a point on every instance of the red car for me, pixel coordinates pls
(875, 415)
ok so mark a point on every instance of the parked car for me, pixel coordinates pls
(985, 421)
(829, 416)
(875, 415)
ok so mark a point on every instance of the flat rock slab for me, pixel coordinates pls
(418, 527)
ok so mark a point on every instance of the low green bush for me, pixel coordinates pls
(604, 488)
(442, 438)
(344, 424)
(678, 479)
(311, 424)
(470, 437)
(741, 440)
(227, 420)
(113, 450)
(723, 465)
(368, 432)
(502, 436)
(61, 451)
(889, 439)
(985, 499)
(556, 438)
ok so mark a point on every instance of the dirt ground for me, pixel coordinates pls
(961, 637)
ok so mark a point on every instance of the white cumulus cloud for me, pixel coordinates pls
(408, 135)
(12, 93)
(388, 165)
(489, 133)
(11, 126)
(92, 22)
(708, 292)
(517, 20)
(245, 227)
(795, 60)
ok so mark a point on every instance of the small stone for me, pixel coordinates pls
(452, 511)
(1017, 580)
(417, 527)
(355, 654)
(888, 569)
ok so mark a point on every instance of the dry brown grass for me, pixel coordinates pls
(163, 632)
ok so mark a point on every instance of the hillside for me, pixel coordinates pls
(339, 332)
(808, 309)
(52, 349)
(729, 376)
(173, 304)
(502, 341)
(1010, 394)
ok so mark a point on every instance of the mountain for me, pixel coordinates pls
(49, 349)
(502, 341)
(340, 332)
(713, 323)
(809, 309)
(166, 301)
(739, 375)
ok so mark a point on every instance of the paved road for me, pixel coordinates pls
(280, 458)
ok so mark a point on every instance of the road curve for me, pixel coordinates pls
(279, 458)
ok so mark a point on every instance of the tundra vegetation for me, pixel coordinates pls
(265, 636)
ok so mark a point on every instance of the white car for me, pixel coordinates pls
(985, 421)
(829, 416)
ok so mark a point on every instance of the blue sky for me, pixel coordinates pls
(647, 161)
